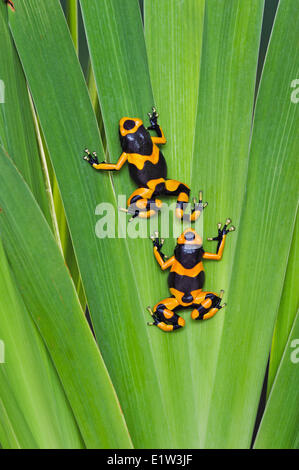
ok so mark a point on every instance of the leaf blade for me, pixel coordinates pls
(49, 295)
(279, 426)
(250, 324)
(174, 53)
(16, 124)
(33, 403)
(287, 310)
(220, 157)
(123, 91)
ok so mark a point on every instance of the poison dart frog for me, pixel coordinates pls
(186, 279)
(148, 169)
(10, 3)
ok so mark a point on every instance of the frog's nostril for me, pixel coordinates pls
(189, 236)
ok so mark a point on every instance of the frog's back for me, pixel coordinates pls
(146, 161)
(187, 273)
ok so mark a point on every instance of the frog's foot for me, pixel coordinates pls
(153, 118)
(198, 205)
(208, 307)
(164, 318)
(142, 208)
(154, 317)
(222, 231)
(158, 243)
(91, 158)
(130, 211)
(196, 209)
(219, 300)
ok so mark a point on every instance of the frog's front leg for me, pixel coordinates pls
(92, 159)
(222, 233)
(160, 257)
(154, 126)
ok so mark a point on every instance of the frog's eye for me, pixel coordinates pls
(129, 124)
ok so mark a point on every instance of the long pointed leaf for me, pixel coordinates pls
(121, 72)
(174, 40)
(16, 124)
(8, 436)
(263, 244)
(288, 307)
(49, 295)
(36, 399)
(69, 126)
(279, 428)
(225, 104)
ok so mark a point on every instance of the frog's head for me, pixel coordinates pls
(189, 248)
(190, 237)
(129, 125)
(132, 134)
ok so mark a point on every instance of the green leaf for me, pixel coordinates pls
(288, 307)
(124, 90)
(224, 118)
(127, 91)
(215, 367)
(16, 124)
(279, 426)
(33, 405)
(49, 295)
(120, 91)
(174, 41)
(263, 244)
(69, 125)
(220, 157)
(72, 19)
(71, 7)
(9, 439)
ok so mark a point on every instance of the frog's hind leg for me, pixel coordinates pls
(164, 316)
(206, 305)
(143, 204)
(182, 191)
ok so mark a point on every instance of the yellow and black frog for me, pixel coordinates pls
(148, 169)
(186, 279)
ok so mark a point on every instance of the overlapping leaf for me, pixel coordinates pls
(16, 123)
(287, 309)
(280, 423)
(217, 366)
(264, 238)
(209, 166)
(34, 409)
(115, 38)
(110, 283)
(49, 296)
